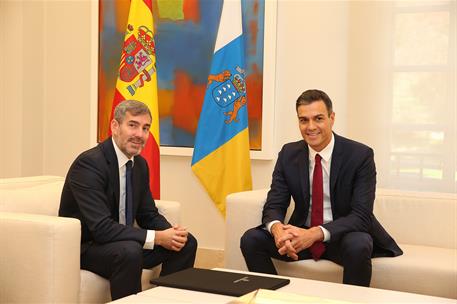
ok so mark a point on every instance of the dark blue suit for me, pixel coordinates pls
(112, 250)
(356, 235)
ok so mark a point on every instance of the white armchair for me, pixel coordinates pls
(428, 265)
(40, 256)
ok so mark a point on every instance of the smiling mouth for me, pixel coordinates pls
(138, 143)
(312, 134)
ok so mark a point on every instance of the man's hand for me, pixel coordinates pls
(172, 238)
(301, 238)
(282, 240)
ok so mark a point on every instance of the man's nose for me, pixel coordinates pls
(138, 132)
(311, 125)
(135, 132)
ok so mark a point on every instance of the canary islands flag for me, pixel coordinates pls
(221, 158)
(138, 80)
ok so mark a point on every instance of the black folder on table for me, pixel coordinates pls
(220, 282)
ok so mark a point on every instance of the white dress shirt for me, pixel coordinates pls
(122, 160)
(326, 160)
(326, 155)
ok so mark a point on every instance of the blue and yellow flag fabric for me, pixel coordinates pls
(221, 158)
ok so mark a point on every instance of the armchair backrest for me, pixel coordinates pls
(418, 218)
(36, 195)
(41, 195)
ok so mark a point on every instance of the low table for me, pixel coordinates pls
(325, 290)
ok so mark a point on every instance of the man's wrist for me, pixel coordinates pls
(326, 234)
(158, 238)
(275, 227)
(318, 234)
(270, 224)
(150, 239)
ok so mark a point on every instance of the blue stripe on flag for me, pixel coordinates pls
(215, 127)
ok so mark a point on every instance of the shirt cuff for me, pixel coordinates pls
(326, 234)
(270, 224)
(150, 237)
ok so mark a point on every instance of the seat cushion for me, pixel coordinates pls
(421, 269)
(321, 270)
(95, 289)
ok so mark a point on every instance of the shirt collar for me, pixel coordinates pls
(326, 153)
(122, 159)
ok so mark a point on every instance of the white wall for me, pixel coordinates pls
(370, 57)
(45, 84)
(21, 80)
(45, 109)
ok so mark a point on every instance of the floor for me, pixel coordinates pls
(209, 258)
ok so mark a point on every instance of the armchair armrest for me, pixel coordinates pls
(244, 211)
(39, 260)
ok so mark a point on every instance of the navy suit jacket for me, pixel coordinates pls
(352, 192)
(91, 194)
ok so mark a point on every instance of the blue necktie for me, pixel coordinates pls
(128, 194)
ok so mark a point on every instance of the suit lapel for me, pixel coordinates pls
(111, 158)
(337, 160)
(136, 178)
(303, 167)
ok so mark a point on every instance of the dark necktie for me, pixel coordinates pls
(317, 207)
(128, 194)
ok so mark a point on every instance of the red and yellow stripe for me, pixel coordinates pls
(140, 14)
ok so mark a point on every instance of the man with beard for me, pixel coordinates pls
(107, 189)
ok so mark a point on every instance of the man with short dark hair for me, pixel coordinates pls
(332, 180)
(107, 189)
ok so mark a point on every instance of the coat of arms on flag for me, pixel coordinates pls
(136, 57)
(232, 90)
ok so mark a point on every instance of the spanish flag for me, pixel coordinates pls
(221, 158)
(138, 80)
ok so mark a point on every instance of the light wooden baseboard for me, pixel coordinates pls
(209, 258)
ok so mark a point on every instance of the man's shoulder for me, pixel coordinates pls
(99, 156)
(94, 153)
(293, 150)
(350, 144)
(294, 146)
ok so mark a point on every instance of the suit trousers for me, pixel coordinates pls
(353, 252)
(122, 263)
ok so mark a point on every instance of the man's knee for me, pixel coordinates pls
(251, 239)
(191, 244)
(357, 245)
(129, 253)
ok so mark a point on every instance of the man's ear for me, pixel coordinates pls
(114, 126)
